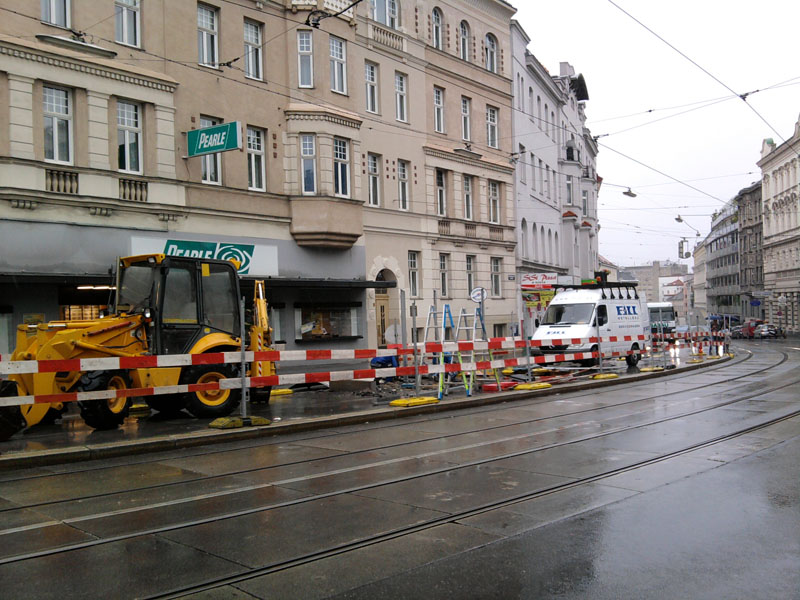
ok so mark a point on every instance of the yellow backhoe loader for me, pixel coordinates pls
(164, 305)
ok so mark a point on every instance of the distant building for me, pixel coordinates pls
(751, 262)
(722, 265)
(697, 303)
(648, 276)
(780, 190)
(607, 265)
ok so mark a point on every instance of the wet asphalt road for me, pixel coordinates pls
(611, 493)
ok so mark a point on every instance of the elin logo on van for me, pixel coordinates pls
(627, 310)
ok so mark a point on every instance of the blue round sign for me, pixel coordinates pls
(755, 302)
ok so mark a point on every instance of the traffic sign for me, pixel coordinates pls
(217, 138)
(478, 295)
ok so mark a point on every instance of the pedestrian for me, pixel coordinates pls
(726, 342)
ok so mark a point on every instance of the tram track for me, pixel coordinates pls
(453, 517)
(314, 497)
(89, 467)
(233, 473)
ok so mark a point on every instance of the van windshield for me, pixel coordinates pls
(568, 314)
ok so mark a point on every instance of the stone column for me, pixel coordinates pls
(165, 141)
(98, 130)
(20, 113)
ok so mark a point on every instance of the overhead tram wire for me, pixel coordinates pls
(723, 84)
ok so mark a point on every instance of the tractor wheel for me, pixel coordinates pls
(167, 404)
(11, 419)
(210, 403)
(104, 414)
(633, 359)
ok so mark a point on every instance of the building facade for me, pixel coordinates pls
(698, 308)
(751, 262)
(780, 192)
(351, 179)
(722, 265)
(648, 276)
(556, 183)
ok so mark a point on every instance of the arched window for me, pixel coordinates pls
(524, 238)
(530, 101)
(542, 247)
(551, 260)
(385, 11)
(535, 242)
(490, 58)
(436, 29)
(557, 255)
(464, 41)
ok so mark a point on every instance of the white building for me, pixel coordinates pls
(555, 182)
(781, 247)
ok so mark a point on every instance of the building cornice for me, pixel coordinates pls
(452, 155)
(311, 112)
(98, 67)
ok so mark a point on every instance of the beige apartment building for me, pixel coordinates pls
(373, 155)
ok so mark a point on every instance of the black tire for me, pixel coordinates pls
(591, 362)
(633, 359)
(167, 404)
(261, 395)
(11, 419)
(214, 403)
(104, 414)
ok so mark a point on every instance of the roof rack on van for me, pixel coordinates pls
(628, 287)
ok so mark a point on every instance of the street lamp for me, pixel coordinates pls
(679, 219)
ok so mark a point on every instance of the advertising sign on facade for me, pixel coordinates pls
(537, 299)
(217, 138)
(254, 259)
(536, 281)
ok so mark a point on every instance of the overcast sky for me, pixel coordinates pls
(713, 146)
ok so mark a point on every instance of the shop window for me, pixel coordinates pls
(325, 323)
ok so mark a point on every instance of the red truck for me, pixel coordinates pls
(749, 326)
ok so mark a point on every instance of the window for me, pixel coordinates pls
(441, 196)
(56, 12)
(129, 136)
(207, 36)
(308, 158)
(255, 159)
(400, 91)
(374, 174)
(491, 127)
(371, 81)
(438, 110)
(413, 273)
(210, 163)
(471, 276)
(57, 125)
(402, 184)
(444, 277)
(463, 41)
(585, 201)
(533, 172)
(385, 11)
(465, 118)
(126, 22)
(436, 29)
(499, 330)
(325, 323)
(305, 60)
(523, 170)
(490, 57)
(338, 66)
(341, 168)
(569, 189)
(468, 197)
(497, 270)
(494, 202)
(252, 50)
(180, 286)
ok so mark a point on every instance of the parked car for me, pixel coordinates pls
(749, 327)
(765, 331)
(736, 332)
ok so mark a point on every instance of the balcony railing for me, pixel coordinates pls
(387, 37)
(470, 230)
(60, 181)
(444, 227)
(496, 234)
(133, 190)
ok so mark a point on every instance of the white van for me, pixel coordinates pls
(575, 311)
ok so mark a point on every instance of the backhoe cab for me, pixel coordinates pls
(164, 305)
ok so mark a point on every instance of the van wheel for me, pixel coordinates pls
(633, 359)
(591, 362)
